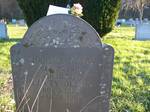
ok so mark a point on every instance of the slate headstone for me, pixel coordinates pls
(3, 31)
(61, 66)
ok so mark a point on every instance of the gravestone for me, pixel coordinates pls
(143, 32)
(21, 22)
(3, 31)
(61, 66)
(13, 21)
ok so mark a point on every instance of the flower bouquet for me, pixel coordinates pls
(76, 10)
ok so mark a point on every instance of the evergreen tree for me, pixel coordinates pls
(101, 14)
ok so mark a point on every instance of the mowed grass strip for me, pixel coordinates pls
(131, 77)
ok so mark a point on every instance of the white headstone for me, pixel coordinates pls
(21, 22)
(143, 32)
(3, 31)
(14, 21)
(57, 10)
(146, 21)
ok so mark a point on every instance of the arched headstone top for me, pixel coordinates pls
(61, 31)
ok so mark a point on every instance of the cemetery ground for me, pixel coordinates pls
(131, 76)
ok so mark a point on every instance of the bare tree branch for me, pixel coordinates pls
(136, 5)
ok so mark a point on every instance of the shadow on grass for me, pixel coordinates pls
(10, 40)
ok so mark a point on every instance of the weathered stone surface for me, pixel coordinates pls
(61, 31)
(75, 76)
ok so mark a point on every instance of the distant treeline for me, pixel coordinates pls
(9, 9)
(132, 14)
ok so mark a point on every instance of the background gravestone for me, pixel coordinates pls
(143, 32)
(3, 31)
(21, 22)
(61, 66)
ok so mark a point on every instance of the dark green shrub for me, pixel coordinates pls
(101, 14)
(35, 9)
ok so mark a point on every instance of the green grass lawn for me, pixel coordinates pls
(131, 79)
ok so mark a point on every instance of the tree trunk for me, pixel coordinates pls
(141, 15)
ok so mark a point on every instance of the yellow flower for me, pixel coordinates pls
(76, 10)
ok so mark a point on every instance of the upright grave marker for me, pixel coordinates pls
(143, 32)
(62, 66)
(3, 31)
(21, 22)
